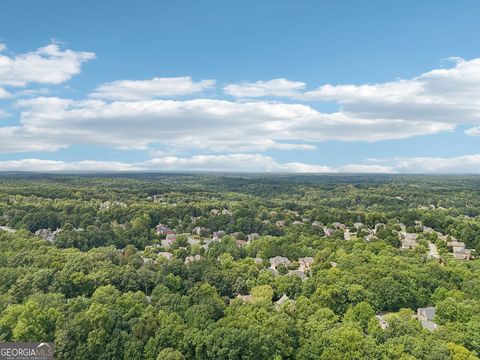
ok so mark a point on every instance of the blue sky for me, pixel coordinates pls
(289, 86)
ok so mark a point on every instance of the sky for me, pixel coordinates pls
(245, 86)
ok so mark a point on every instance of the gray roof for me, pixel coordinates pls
(428, 313)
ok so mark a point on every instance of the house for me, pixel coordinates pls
(382, 322)
(408, 244)
(198, 230)
(370, 237)
(193, 241)
(162, 229)
(408, 236)
(258, 260)
(279, 260)
(333, 264)
(252, 236)
(338, 226)
(305, 263)
(426, 315)
(266, 222)
(217, 235)
(317, 224)
(171, 238)
(166, 255)
(280, 223)
(358, 225)
(226, 212)
(240, 243)
(109, 204)
(296, 222)
(328, 231)
(190, 259)
(298, 273)
(244, 298)
(282, 300)
(215, 212)
(45, 234)
(147, 260)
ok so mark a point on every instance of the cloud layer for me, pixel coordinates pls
(235, 122)
(468, 164)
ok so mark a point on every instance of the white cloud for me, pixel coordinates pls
(3, 47)
(3, 114)
(450, 95)
(362, 168)
(275, 87)
(135, 90)
(217, 125)
(459, 164)
(474, 131)
(254, 163)
(4, 93)
(47, 65)
(229, 162)
(53, 165)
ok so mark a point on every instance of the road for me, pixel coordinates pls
(432, 251)
(7, 229)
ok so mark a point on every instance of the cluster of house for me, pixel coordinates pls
(110, 204)
(47, 234)
(302, 272)
(458, 248)
(217, 212)
(424, 315)
(249, 298)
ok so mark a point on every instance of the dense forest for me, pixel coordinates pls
(217, 266)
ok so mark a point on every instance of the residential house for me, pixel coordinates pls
(328, 231)
(280, 223)
(279, 260)
(198, 230)
(193, 241)
(45, 234)
(305, 263)
(382, 322)
(370, 237)
(282, 300)
(426, 315)
(298, 273)
(166, 255)
(358, 225)
(244, 298)
(162, 229)
(240, 243)
(190, 259)
(339, 226)
(252, 236)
